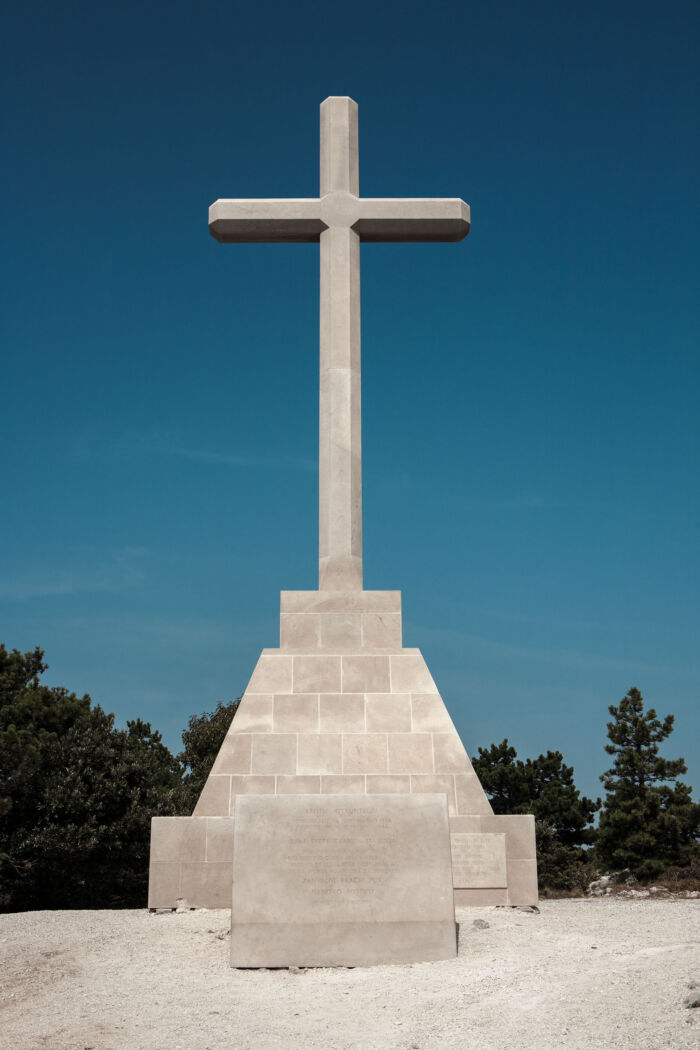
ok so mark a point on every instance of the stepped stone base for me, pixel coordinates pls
(342, 708)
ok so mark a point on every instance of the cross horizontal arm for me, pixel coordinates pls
(412, 219)
(372, 218)
(263, 221)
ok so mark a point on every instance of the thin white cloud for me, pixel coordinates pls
(242, 459)
(121, 569)
(553, 657)
(527, 500)
(165, 444)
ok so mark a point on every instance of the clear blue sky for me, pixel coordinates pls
(530, 396)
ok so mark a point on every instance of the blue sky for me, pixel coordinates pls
(530, 423)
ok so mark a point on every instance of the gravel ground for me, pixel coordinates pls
(593, 974)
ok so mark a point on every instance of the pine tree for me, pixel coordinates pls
(649, 820)
(545, 787)
(76, 795)
(202, 739)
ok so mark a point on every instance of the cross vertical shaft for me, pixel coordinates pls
(340, 442)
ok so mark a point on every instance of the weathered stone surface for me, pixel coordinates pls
(361, 742)
(479, 861)
(339, 219)
(521, 864)
(191, 862)
(341, 706)
(342, 880)
(365, 742)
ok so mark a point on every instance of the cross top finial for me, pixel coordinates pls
(340, 170)
(339, 219)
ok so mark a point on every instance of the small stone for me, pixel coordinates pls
(480, 924)
(599, 887)
(693, 1001)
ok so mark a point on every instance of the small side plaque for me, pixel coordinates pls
(479, 861)
(341, 880)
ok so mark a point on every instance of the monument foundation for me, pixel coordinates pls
(341, 880)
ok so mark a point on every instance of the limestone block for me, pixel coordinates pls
(409, 674)
(206, 885)
(252, 785)
(273, 674)
(519, 830)
(366, 674)
(300, 631)
(429, 714)
(388, 712)
(433, 783)
(450, 756)
(219, 840)
(215, 798)
(175, 838)
(341, 880)
(341, 630)
(384, 784)
(163, 884)
(471, 797)
(342, 712)
(254, 714)
(522, 882)
(381, 630)
(340, 601)
(320, 754)
(274, 753)
(347, 784)
(470, 898)
(295, 713)
(471, 825)
(308, 785)
(365, 753)
(339, 475)
(234, 754)
(340, 621)
(479, 861)
(410, 753)
(316, 674)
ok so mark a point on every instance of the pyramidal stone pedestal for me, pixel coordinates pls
(342, 708)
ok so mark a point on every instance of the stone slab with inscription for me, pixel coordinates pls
(341, 880)
(479, 861)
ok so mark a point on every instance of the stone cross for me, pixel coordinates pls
(339, 219)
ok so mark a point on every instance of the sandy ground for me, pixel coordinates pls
(591, 974)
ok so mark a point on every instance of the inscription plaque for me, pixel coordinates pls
(341, 880)
(479, 861)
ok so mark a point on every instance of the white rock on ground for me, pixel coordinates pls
(606, 973)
